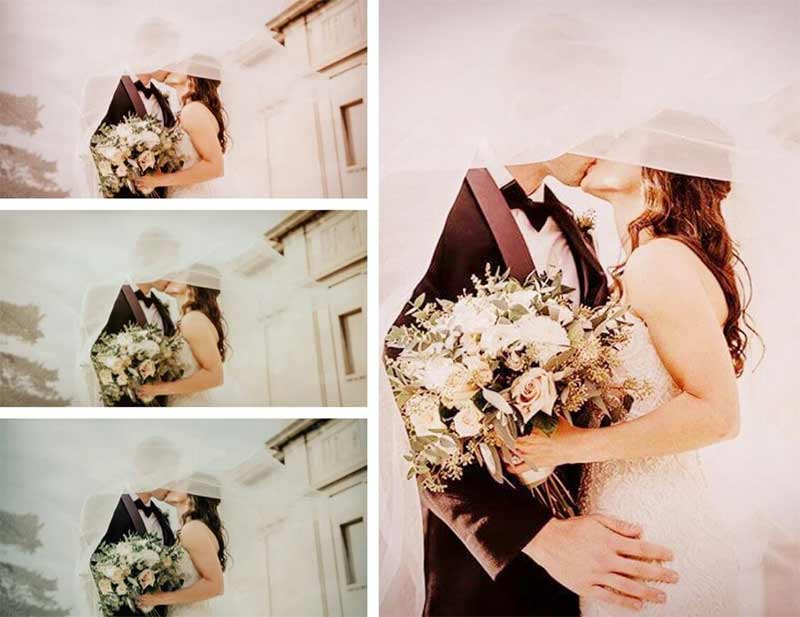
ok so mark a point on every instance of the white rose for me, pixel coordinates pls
(149, 139)
(105, 587)
(547, 335)
(124, 340)
(147, 578)
(122, 171)
(423, 412)
(497, 338)
(106, 377)
(472, 316)
(123, 130)
(458, 387)
(149, 558)
(115, 155)
(149, 348)
(147, 369)
(122, 379)
(480, 373)
(467, 422)
(435, 371)
(523, 297)
(124, 550)
(534, 391)
(122, 589)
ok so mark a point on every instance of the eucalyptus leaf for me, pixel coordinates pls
(497, 401)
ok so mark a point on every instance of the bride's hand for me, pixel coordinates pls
(538, 450)
(149, 390)
(148, 183)
(147, 602)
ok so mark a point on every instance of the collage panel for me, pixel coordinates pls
(183, 308)
(188, 517)
(265, 99)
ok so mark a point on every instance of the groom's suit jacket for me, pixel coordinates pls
(476, 530)
(128, 520)
(127, 102)
(127, 310)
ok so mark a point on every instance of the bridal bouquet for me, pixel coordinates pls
(133, 357)
(132, 148)
(137, 565)
(473, 375)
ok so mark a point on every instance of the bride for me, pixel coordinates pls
(203, 538)
(204, 139)
(202, 327)
(687, 343)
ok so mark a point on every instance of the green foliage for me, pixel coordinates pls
(26, 383)
(20, 530)
(26, 174)
(20, 112)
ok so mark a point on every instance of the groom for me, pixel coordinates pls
(137, 94)
(489, 548)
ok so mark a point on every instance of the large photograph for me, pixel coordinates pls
(587, 238)
(168, 100)
(183, 309)
(191, 518)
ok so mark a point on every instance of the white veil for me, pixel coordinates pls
(210, 45)
(173, 460)
(252, 284)
(625, 81)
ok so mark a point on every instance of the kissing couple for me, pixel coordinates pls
(648, 535)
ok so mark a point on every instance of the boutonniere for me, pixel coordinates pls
(586, 221)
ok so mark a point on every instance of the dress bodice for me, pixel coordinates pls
(190, 577)
(191, 366)
(201, 189)
(669, 496)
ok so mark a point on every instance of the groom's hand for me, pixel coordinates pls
(599, 557)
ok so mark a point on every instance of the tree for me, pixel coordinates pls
(24, 382)
(24, 173)
(25, 592)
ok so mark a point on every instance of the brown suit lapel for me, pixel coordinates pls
(133, 512)
(501, 222)
(133, 95)
(133, 302)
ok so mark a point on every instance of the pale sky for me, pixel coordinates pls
(48, 467)
(51, 258)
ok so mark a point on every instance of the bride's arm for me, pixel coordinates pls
(200, 335)
(202, 548)
(202, 128)
(664, 287)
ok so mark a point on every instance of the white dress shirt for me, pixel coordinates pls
(150, 312)
(150, 103)
(151, 523)
(547, 246)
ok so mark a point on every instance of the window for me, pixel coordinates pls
(354, 344)
(354, 540)
(354, 133)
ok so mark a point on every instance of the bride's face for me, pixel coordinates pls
(605, 179)
(175, 290)
(179, 82)
(176, 498)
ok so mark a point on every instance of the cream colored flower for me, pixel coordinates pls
(480, 373)
(472, 316)
(435, 371)
(124, 340)
(515, 360)
(149, 558)
(122, 171)
(148, 138)
(547, 335)
(122, 379)
(146, 160)
(122, 589)
(458, 386)
(147, 578)
(105, 587)
(105, 169)
(147, 369)
(149, 348)
(106, 377)
(467, 422)
(423, 412)
(497, 338)
(534, 391)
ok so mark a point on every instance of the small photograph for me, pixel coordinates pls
(165, 101)
(186, 518)
(587, 265)
(183, 309)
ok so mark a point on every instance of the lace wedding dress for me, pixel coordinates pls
(201, 189)
(190, 577)
(191, 366)
(669, 496)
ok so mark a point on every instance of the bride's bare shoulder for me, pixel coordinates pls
(195, 113)
(194, 532)
(194, 322)
(659, 273)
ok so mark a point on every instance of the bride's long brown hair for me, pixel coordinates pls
(689, 209)
(206, 92)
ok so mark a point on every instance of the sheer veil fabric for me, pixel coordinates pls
(172, 460)
(201, 44)
(222, 262)
(698, 90)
